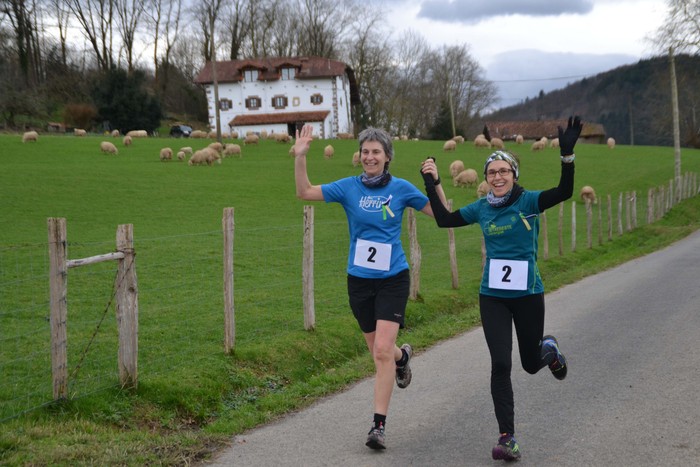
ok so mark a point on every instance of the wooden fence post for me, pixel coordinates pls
(600, 222)
(610, 218)
(58, 284)
(634, 209)
(453, 251)
(228, 225)
(308, 269)
(573, 226)
(127, 308)
(560, 229)
(545, 236)
(650, 206)
(628, 210)
(619, 215)
(589, 223)
(415, 255)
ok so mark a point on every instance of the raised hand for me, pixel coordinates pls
(568, 137)
(303, 140)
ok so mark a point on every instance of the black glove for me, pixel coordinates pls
(568, 138)
(486, 133)
(428, 178)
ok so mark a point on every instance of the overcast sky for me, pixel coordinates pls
(530, 45)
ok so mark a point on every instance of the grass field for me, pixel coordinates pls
(191, 397)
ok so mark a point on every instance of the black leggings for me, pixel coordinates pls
(497, 316)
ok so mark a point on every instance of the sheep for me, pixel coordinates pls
(481, 142)
(456, 167)
(205, 156)
(588, 194)
(30, 136)
(187, 150)
(328, 151)
(466, 177)
(611, 143)
(234, 135)
(554, 143)
(458, 139)
(79, 132)
(483, 189)
(282, 137)
(538, 145)
(109, 148)
(497, 143)
(251, 139)
(544, 140)
(137, 133)
(450, 145)
(218, 147)
(198, 134)
(232, 150)
(181, 155)
(115, 133)
(519, 139)
(263, 134)
(356, 159)
(127, 140)
(166, 154)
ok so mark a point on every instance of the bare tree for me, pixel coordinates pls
(681, 28)
(165, 16)
(128, 17)
(61, 14)
(236, 26)
(324, 24)
(96, 18)
(20, 14)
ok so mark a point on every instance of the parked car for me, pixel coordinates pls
(180, 131)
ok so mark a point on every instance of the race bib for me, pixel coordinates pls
(508, 274)
(372, 255)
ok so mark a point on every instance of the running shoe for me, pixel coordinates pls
(558, 366)
(403, 373)
(375, 437)
(507, 448)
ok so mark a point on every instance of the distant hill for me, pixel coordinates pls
(632, 102)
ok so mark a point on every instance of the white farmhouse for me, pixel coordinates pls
(279, 95)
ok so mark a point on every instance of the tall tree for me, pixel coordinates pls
(681, 27)
(21, 17)
(96, 19)
(128, 16)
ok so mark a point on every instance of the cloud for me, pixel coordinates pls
(474, 11)
(524, 73)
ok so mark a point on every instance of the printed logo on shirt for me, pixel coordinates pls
(373, 203)
(498, 229)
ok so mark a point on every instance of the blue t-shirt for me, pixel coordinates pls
(510, 235)
(374, 221)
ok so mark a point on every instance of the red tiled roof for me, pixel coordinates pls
(269, 69)
(289, 117)
(538, 129)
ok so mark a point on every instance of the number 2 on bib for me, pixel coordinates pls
(508, 274)
(372, 255)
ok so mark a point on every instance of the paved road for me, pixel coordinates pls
(631, 398)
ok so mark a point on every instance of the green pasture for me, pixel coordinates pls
(191, 396)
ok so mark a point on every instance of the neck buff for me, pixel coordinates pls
(505, 200)
(378, 180)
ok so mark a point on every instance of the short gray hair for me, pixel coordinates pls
(380, 136)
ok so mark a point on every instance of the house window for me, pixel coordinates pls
(279, 102)
(250, 75)
(253, 103)
(225, 104)
(316, 99)
(288, 73)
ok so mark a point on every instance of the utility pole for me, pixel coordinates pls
(676, 126)
(217, 112)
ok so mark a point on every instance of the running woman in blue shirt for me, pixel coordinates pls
(378, 278)
(511, 288)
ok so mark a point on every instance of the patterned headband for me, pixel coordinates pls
(503, 156)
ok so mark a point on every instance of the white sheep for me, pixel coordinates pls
(234, 135)
(115, 133)
(554, 143)
(481, 142)
(611, 143)
(181, 155)
(166, 154)
(127, 140)
(218, 147)
(205, 156)
(497, 143)
(30, 136)
(232, 150)
(251, 139)
(328, 151)
(519, 139)
(588, 194)
(187, 150)
(282, 137)
(198, 134)
(458, 139)
(79, 132)
(467, 177)
(538, 145)
(544, 140)
(456, 167)
(108, 148)
(263, 134)
(356, 159)
(137, 133)
(483, 189)
(450, 145)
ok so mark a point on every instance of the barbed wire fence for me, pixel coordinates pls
(181, 299)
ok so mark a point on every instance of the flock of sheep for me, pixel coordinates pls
(214, 152)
